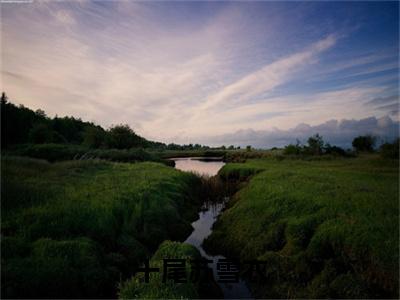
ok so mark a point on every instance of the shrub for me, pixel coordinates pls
(364, 143)
(292, 149)
(123, 137)
(390, 150)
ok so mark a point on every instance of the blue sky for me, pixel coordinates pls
(263, 73)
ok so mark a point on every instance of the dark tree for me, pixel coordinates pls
(315, 144)
(364, 143)
(123, 137)
(390, 150)
(41, 133)
(94, 136)
(4, 98)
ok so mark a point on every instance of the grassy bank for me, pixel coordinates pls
(326, 228)
(63, 152)
(136, 288)
(76, 228)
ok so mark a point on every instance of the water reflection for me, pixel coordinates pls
(207, 216)
(198, 165)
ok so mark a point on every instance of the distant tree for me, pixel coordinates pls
(292, 149)
(16, 122)
(41, 133)
(335, 150)
(94, 136)
(390, 150)
(248, 148)
(4, 98)
(364, 143)
(123, 137)
(315, 144)
(231, 147)
(41, 113)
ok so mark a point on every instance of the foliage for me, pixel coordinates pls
(334, 150)
(293, 149)
(135, 287)
(390, 150)
(74, 229)
(364, 143)
(41, 133)
(326, 228)
(21, 125)
(94, 137)
(123, 137)
(315, 144)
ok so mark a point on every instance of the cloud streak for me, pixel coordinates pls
(185, 71)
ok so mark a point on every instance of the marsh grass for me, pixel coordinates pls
(326, 228)
(136, 288)
(75, 228)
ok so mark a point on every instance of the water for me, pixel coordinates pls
(207, 217)
(199, 165)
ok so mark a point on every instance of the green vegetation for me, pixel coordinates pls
(21, 125)
(390, 150)
(135, 287)
(76, 228)
(364, 143)
(326, 228)
(63, 152)
(78, 220)
(315, 147)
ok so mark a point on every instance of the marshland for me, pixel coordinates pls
(199, 149)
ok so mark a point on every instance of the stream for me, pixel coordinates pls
(207, 216)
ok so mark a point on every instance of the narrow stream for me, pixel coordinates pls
(207, 216)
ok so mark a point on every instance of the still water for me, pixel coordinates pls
(207, 217)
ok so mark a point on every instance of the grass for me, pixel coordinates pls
(136, 288)
(64, 152)
(75, 228)
(326, 228)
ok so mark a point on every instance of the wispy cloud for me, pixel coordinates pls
(268, 77)
(182, 71)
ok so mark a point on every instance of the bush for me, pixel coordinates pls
(292, 149)
(123, 137)
(364, 143)
(41, 134)
(74, 229)
(390, 150)
(334, 150)
(94, 137)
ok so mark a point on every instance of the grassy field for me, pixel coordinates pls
(77, 228)
(326, 228)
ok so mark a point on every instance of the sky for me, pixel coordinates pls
(241, 73)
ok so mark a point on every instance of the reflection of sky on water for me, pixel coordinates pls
(209, 168)
(207, 217)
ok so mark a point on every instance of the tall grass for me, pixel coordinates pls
(75, 228)
(327, 229)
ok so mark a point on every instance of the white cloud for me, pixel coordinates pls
(336, 132)
(129, 63)
(268, 77)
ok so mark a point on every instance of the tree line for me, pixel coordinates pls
(364, 143)
(21, 125)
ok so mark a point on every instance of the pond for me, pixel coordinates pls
(207, 216)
